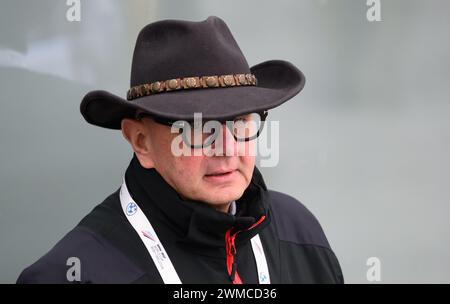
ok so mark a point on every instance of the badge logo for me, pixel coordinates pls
(263, 278)
(131, 208)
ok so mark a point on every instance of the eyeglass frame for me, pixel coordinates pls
(170, 122)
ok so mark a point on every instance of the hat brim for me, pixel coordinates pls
(278, 81)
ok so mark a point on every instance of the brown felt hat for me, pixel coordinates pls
(181, 67)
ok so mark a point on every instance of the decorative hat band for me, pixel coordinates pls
(201, 82)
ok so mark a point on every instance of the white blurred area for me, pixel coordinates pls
(365, 146)
(78, 51)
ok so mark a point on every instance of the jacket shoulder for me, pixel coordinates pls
(294, 222)
(96, 259)
(303, 241)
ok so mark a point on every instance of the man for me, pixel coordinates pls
(182, 217)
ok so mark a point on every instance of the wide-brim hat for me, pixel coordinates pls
(182, 67)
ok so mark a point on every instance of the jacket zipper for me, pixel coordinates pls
(230, 248)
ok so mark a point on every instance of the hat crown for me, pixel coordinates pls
(175, 49)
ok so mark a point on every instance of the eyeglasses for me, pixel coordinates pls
(200, 134)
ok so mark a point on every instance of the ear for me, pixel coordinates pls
(136, 133)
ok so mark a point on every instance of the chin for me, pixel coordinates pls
(223, 198)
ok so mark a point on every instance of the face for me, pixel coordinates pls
(215, 180)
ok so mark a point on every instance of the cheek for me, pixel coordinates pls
(248, 164)
(249, 161)
(190, 169)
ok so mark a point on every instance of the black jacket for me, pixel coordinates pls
(193, 234)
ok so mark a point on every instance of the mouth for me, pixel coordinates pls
(220, 175)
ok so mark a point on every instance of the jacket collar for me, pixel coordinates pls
(193, 221)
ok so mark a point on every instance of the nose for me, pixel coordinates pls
(226, 144)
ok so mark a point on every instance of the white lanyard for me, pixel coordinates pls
(156, 250)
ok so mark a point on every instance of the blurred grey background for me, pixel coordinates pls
(365, 146)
